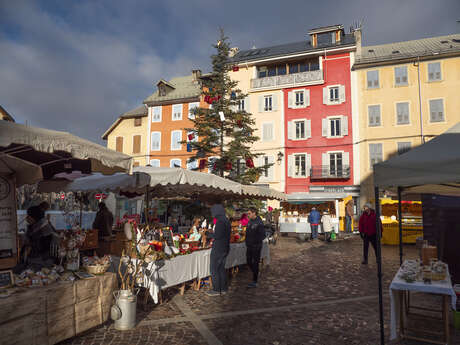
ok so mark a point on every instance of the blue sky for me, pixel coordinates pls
(77, 65)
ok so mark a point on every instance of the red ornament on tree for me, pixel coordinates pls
(249, 163)
(228, 166)
(202, 164)
(208, 99)
(191, 136)
(239, 123)
(235, 68)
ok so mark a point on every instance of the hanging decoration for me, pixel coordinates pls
(239, 123)
(228, 166)
(191, 136)
(189, 147)
(202, 164)
(235, 68)
(233, 95)
(249, 162)
(222, 116)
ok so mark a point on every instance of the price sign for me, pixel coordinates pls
(104, 196)
(6, 279)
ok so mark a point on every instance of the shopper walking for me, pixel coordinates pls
(314, 218)
(368, 230)
(327, 225)
(255, 234)
(219, 251)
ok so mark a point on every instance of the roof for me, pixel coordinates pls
(290, 48)
(183, 87)
(6, 115)
(430, 47)
(329, 28)
(140, 111)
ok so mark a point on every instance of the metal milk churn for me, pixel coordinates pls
(123, 312)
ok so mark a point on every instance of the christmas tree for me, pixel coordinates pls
(224, 130)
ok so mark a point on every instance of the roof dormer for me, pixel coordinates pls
(164, 87)
(326, 35)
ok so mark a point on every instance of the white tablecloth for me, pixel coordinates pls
(164, 274)
(438, 287)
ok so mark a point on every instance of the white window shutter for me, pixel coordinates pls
(344, 125)
(271, 160)
(325, 95)
(342, 93)
(291, 99)
(346, 159)
(291, 165)
(291, 130)
(246, 104)
(274, 102)
(261, 104)
(308, 129)
(307, 97)
(325, 164)
(325, 128)
(308, 167)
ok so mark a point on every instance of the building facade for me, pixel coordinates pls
(408, 93)
(5, 116)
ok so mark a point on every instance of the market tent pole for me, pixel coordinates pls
(379, 263)
(400, 226)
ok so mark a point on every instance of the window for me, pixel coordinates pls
(175, 163)
(268, 103)
(119, 144)
(241, 105)
(334, 94)
(374, 115)
(262, 72)
(401, 76)
(155, 163)
(192, 106)
(267, 131)
(267, 163)
(156, 141)
(403, 147)
(281, 70)
(193, 165)
(375, 154)
(136, 143)
(436, 110)
(335, 127)
(162, 90)
(216, 134)
(177, 112)
(293, 68)
(300, 165)
(136, 164)
(335, 164)
(300, 129)
(156, 114)
(402, 113)
(434, 71)
(176, 138)
(299, 98)
(373, 79)
(138, 121)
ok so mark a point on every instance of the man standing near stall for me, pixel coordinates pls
(255, 234)
(314, 218)
(219, 251)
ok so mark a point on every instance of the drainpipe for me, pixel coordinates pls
(417, 64)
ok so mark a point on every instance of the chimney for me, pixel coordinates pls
(357, 33)
(196, 73)
(233, 51)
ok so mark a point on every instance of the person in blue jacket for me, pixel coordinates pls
(314, 218)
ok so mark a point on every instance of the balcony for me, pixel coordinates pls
(325, 172)
(287, 80)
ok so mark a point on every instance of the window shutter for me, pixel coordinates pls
(291, 130)
(136, 144)
(274, 102)
(308, 129)
(291, 99)
(344, 125)
(307, 97)
(346, 159)
(271, 160)
(325, 165)
(325, 128)
(246, 104)
(308, 164)
(261, 104)
(119, 144)
(342, 93)
(290, 165)
(325, 95)
(267, 131)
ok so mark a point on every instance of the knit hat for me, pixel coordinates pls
(368, 205)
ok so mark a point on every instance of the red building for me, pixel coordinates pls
(318, 121)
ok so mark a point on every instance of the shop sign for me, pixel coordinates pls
(100, 196)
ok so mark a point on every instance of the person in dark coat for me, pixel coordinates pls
(314, 218)
(103, 221)
(219, 251)
(255, 234)
(368, 230)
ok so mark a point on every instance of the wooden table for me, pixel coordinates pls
(401, 307)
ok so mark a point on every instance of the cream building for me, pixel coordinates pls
(408, 92)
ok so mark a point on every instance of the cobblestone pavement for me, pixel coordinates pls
(311, 293)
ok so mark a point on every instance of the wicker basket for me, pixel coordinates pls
(97, 269)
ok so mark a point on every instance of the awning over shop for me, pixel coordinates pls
(310, 197)
(58, 152)
(263, 192)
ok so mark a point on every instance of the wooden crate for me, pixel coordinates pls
(20, 304)
(87, 314)
(26, 330)
(108, 284)
(86, 289)
(60, 295)
(61, 324)
(106, 303)
(91, 240)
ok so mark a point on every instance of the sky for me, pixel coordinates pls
(77, 65)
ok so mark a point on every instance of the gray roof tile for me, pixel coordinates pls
(139, 111)
(184, 87)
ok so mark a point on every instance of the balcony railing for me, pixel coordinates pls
(326, 172)
(288, 79)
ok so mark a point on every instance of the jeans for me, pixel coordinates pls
(253, 259)
(373, 240)
(327, 236)
(348, 223)
(218, 273)
(314, 231)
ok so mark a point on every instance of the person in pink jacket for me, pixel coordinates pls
(368, 230)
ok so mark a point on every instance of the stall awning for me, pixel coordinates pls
(263, 192)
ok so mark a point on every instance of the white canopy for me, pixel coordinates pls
(24, 171)
(262, 192)
(433, 167)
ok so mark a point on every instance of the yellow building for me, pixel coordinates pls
(129, 133)
(407, 93)
(4, 115)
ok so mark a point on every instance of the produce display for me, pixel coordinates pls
(413, 271)
(43, 277)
